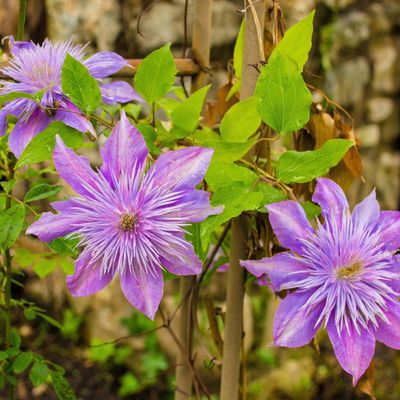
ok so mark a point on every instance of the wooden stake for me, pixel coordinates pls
(238, 250)
(201, 43)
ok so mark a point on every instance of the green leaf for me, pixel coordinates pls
(296, 42)
(129, 385)
(221, 173)
(185, 117)
(271, 194)
(156, 74)
(304, 166)
(100, 351)
(44, 267)
(15, 339)
(3, 355)
(8, 186)
(236, 198)
(241, 121)
(29, 314)
(41, 191)
(11, 222)
(312, 210)
(224, 150)
(50, 320)
(238, 51)
(194, 237)
(38, 373)
(64, 247)
(61, 386)
(22, 362)
(237, 61)
(79, 85)
(41, 146)
(149, 135)
(12, 351)
(283, 99)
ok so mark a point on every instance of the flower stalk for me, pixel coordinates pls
(21, 20)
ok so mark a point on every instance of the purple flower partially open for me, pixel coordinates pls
(344, 275)
(37, 67)
(128, 221)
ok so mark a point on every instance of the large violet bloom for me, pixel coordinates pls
(128, 221)
(37, 67)
(343, 275)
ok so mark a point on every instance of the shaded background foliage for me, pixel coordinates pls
(355, 59)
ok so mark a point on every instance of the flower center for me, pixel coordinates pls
(348, 272)
(128, 222)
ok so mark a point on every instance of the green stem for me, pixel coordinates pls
(21, 20)
(7, 287)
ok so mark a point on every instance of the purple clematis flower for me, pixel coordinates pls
(37, 67)
(128, 221)
(343, 275)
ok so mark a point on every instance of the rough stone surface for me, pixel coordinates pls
(352, 30)
(348, 81)
(379, 108)
(369, 135)
(384, 56)
(94, 21)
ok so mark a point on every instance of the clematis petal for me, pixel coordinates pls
(25, 130)
(367, 213)
(88, 278)
(16, 45)
(118, 92)
(282, 271)
(75, 170)
(290, 224)
(194, 206)
(181, 168)
(182, 260)
(354, 350)
(51, 226)
(143, 290)
(125, 150)
(294, 325)
(104, 63)
(388, 333)
(330, 196)
(389, 223)
(3, 123)
(73, 117)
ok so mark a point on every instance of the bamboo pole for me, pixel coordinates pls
(252, 54)
(185, 67)
(201, 43)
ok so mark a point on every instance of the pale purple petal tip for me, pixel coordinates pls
(290, 224)
(354, 350)
(143, 290)
(389, 223)
(182, 168)
(294, 325)
(73, 117)
(119, 92)
(330, 196)
(88, 278)
(388, 333)
(282, 271)
(104, 64)
(51, 226)
(24, 131)
(75, 170)
(125, 150)
(367, 213)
